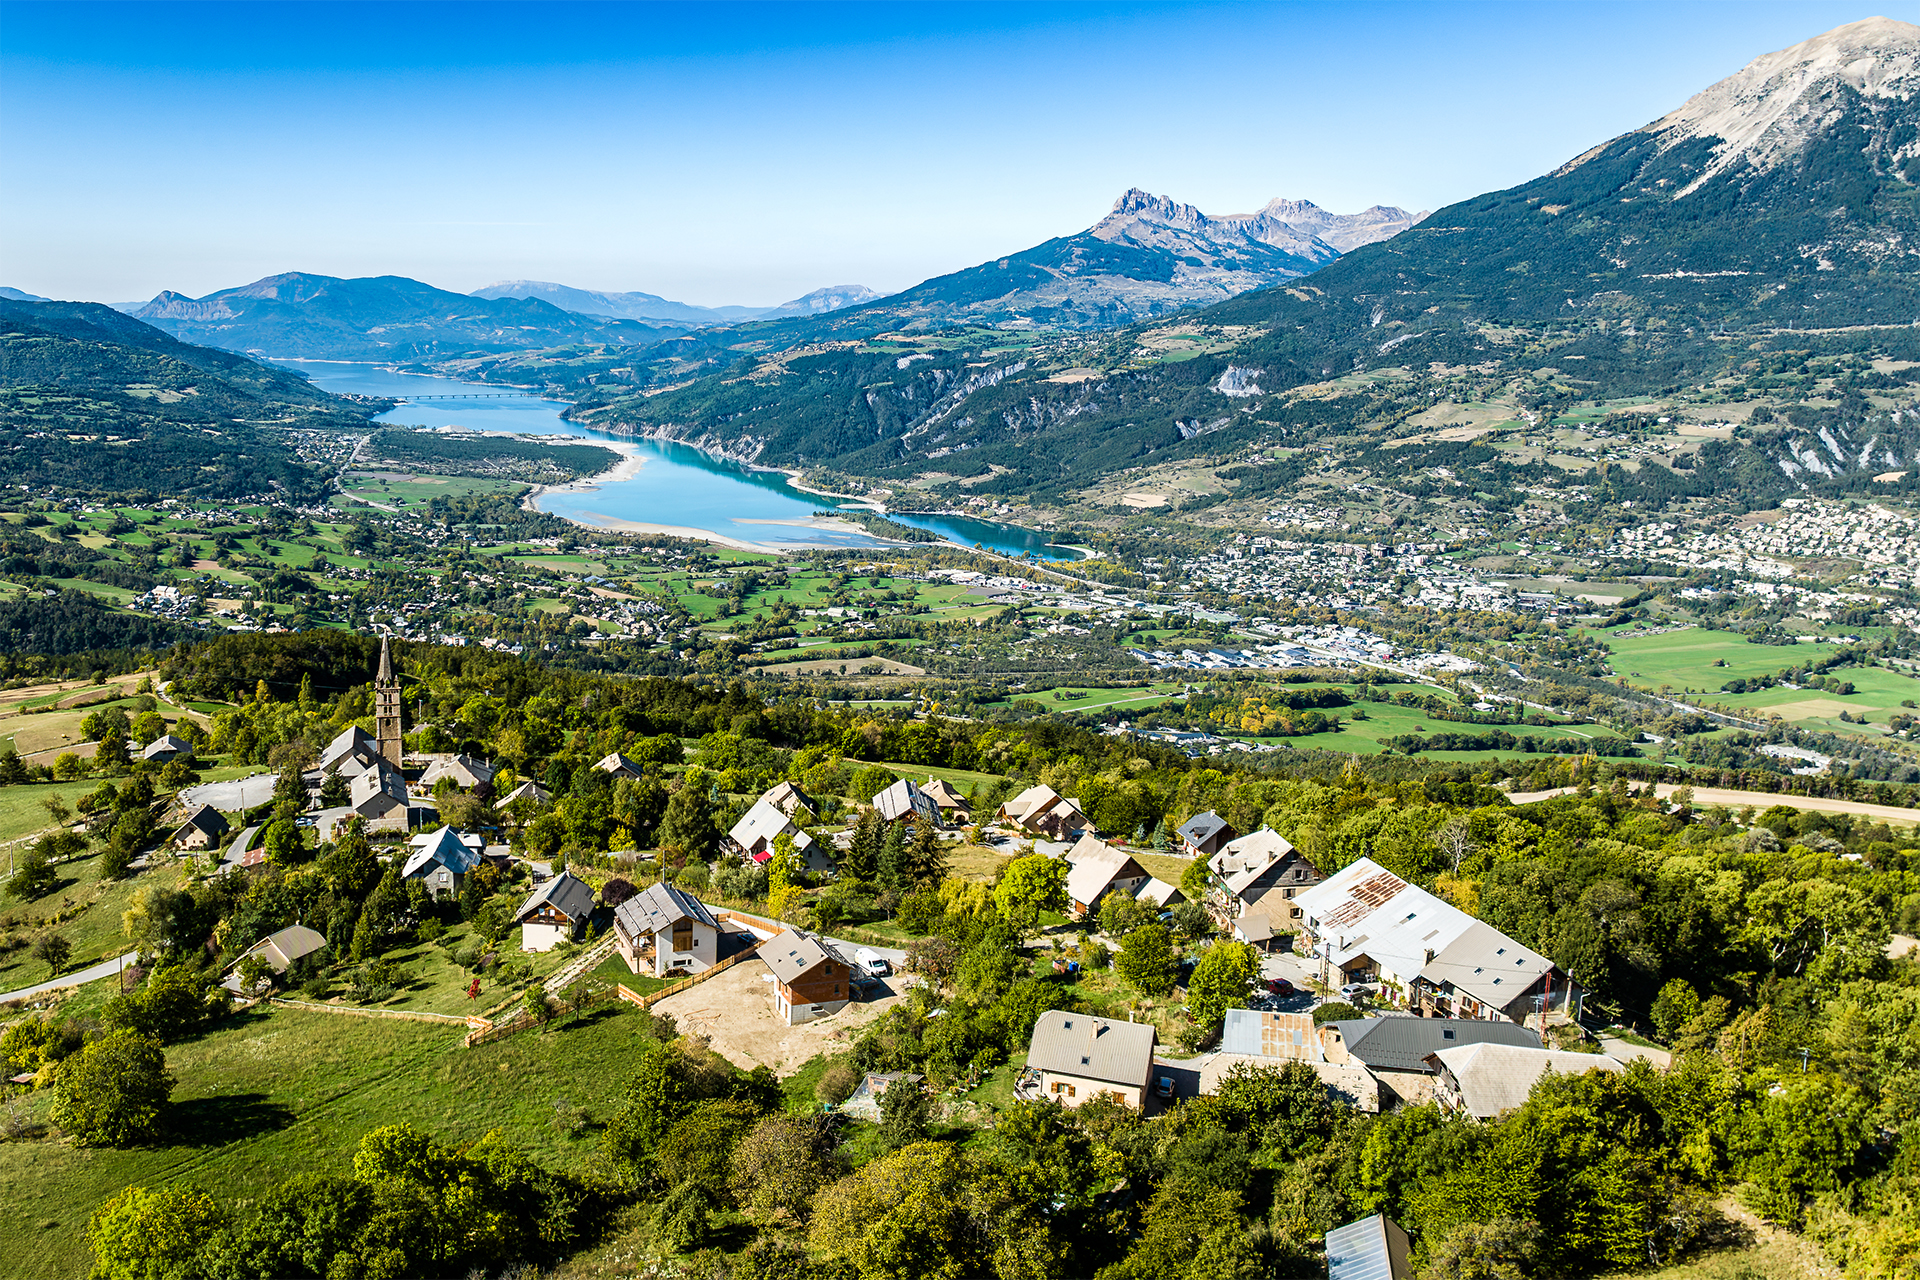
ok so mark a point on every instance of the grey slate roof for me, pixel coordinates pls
(1402, 1044)
(446, 848)
(1094, 1048)
(657, 907)
(792, 953)
(566, 893)
(1371, 1249)
(1202, 826)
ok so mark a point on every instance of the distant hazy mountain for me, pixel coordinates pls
(1149, 256)
(648, 306)
(380, 318)
(15, 295)
(91, 399)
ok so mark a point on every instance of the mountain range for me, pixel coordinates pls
(1700, 246)
(648, 306)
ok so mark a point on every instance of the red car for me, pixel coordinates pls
(1280, 987)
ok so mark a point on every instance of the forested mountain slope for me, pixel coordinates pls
(92, 400)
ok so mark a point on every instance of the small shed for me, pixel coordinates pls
(864, 1102)
(279, 950)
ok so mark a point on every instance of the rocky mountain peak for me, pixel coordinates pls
(1766, 112)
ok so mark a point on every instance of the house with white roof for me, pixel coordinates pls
(441, 860)
(1096, 869)
(1369, 925)
(1484, 1080)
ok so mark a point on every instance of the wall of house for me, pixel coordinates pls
(816, 989)
(1074, 1091)
(540, 935)
(702, 953)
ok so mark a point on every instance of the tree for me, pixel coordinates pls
(1674, 1008)
(862, 860)
(780, 1165)
(927, 1212)
(283, 845)
(1221, 981)
(114, 1092)
(1146, 960)
(351, 867)
(784, 870)
(112, 753)
(1028, 886)
(1191, 920)
(683, 1220)
(689, 829)
(334, 790)
(1499, 1249)
(905, 1113)
(152, 1235)
(34, 877)
(700, 1146)
(1120, 914)
(928, 858)
(53, 950)
(539, 1007)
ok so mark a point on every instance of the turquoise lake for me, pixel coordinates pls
(674, 484)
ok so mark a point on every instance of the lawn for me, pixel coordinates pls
(95, 933)
(1083, 698)
(1684, 659)
(278, 1091)
(22, 811)
(1386, 720)
(964, 779)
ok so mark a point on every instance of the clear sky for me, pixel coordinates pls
(732, 153)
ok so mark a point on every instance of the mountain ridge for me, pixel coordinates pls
(651, 306)
(303, 315)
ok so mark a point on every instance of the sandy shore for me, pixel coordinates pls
(626, 469)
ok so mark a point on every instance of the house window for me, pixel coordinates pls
(1057, 1086)
(1071, 1092)
(1446, 1033)
(1289, 893)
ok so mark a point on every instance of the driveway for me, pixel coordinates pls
(232, 797)
(105, 969)
(735, 1012)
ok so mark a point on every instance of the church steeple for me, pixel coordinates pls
(386, 707)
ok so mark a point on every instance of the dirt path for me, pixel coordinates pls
(735, 1011)
(1760, 800)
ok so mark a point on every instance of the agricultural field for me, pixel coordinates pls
(1879, 695)
(95, 933)
(1684, 659)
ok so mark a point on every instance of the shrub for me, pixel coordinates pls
(114, 1092)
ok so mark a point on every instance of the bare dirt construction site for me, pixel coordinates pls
(735, 1012)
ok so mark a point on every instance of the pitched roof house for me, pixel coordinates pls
(1258, 1038)
(379, 795)
(789, 799)
(753, 837)
(164, 748)
(1202, 835)
(441, 861)
(1043, 811)
(203, 829)
(1396, 1050)
(1258, 878)
(1484, 1080)
(1096, 868)
(811, 979)
(905, 802)
(1367, 923)
(666, 929)
(618, 765)
(554, 912)
(1079, 1056)
(279, 950)
(463, 771)
(953, 806)
(351, 743)
(528, 790)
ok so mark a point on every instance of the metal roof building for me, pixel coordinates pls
(1371, 1249)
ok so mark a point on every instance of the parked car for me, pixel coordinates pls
(1355, 991)
(1281, 987)
(1163, 1087)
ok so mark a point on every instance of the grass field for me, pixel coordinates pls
(1878, 695)
(95, 933)
(279, 1091)
(1083, 698)
(1684, 659)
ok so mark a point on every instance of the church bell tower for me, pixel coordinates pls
(386, 707)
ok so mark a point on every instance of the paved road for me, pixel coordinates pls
(1760, 800)
(231, 797)
(105, 969)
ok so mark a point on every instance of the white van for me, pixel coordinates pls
(873, 962)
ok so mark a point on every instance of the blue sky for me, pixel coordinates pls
(722, 153)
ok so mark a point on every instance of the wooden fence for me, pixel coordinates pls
(647, 1002)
